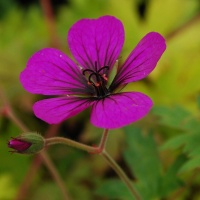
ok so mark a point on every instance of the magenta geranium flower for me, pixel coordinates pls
(96, 46)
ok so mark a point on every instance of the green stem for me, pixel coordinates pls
(120, 173)
(103, 140)
(71, 143)
(78, 145)
(101, 151)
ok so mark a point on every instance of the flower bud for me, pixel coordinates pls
(27, 143)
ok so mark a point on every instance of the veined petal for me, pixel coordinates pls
(119, 110)
(96, 41)
(142, 60)
(55, 110)
(51, 72)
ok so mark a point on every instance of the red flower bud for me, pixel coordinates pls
(19, 145)
(27, 143)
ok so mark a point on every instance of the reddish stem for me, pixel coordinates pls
(50, 21)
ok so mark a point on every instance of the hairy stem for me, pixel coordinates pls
(102, 152)
(103, 141)
(78, 145)
(71, 143)
(119, 171)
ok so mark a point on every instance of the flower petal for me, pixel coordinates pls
(142, 60)
(119, 110)
(55, 110)
(96, 41)
(51, 72)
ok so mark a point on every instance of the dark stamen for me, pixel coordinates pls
(98, 81)
(87, 70)
(105, 67)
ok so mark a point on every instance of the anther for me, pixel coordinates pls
(87, 70)
(97, 84)
(105, 77)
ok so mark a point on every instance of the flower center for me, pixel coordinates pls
(98, 80)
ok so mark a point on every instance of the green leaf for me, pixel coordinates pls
(195, 151)
(190, 143)
(142, 158)
(114, 189)
(171, 117)
(191, 164)
(176, 142)
(170, 180)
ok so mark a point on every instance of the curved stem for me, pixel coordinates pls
(78, 145)
(101, 151)
(120, 173)
(61, 140)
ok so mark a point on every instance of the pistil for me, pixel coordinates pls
(98, 81)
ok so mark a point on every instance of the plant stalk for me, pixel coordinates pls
(78, 145)
(102, 152)
(119, 171)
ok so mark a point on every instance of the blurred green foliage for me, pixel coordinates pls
(142, 157)
(160, 153)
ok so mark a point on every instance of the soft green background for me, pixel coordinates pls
(160, 152)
